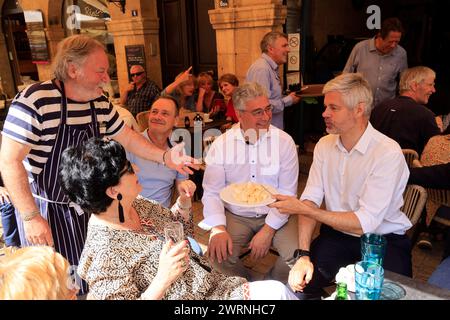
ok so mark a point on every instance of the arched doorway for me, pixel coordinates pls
(186, 37)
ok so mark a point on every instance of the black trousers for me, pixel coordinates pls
(332, 250)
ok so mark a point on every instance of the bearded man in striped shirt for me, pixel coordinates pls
(46, 118)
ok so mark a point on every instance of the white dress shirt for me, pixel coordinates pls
(369, 180)
(272, 160)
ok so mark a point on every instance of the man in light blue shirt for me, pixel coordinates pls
(156, 179)
(275, 49)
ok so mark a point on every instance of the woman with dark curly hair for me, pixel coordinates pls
(125, 255)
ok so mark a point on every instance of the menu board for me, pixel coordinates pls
(36, 37)
(135, 55)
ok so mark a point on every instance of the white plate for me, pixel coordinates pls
(227, 195)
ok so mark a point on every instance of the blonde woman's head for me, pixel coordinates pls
(36, 273)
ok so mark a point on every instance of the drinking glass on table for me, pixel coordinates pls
(373, 247)
(369, 277)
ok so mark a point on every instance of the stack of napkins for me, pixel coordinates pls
(347, 275)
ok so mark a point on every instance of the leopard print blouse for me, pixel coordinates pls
(121, 264)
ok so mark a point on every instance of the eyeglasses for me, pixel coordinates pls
(136, 74)
(128, 169)
(258, 113)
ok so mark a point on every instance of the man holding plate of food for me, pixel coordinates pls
(244, 167)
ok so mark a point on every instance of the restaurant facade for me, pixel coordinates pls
(164, 36)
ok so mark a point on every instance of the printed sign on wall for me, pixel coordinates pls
(294, 54)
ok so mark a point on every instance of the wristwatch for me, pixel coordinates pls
(300, 253)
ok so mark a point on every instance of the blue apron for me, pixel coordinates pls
(68, 226)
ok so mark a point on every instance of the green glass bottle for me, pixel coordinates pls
(341, 291)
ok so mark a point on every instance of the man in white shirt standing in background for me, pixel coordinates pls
(362, 175)
(258, 152)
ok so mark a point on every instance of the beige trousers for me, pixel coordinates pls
(242, 230)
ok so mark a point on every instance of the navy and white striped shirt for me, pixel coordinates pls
(35, 115)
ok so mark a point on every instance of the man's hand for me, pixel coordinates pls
(186, 189)
(288, 204)
(38, 232)
(220, 244)
(130, 87)
(295, 98)
(301, 274)
(177, 159)
(260, 243)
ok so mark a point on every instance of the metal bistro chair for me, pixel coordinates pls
(415, 198)
(436, 198)
(440, 197)
(142, 120)
(410, 156)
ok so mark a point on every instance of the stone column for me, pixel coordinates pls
(142, 29)
(239, 30)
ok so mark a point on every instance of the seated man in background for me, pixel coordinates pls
(405, 118)
(362, 175)
(140, 93)
(258, 152)
(156, 179)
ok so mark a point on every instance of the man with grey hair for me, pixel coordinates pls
(46, 118)
(361, 174)
(405, 118)
(251, 151)
(275, 49)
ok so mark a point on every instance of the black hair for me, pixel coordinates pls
(86, 171)
(391, 24)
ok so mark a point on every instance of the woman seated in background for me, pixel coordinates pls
(125, 255)
(36, 273)
(228, 84)
(183, 89)
(208, 100)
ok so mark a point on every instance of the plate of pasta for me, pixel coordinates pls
(248, 194)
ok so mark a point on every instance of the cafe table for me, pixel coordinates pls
(413, 289)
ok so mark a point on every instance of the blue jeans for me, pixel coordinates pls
(10, 231)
